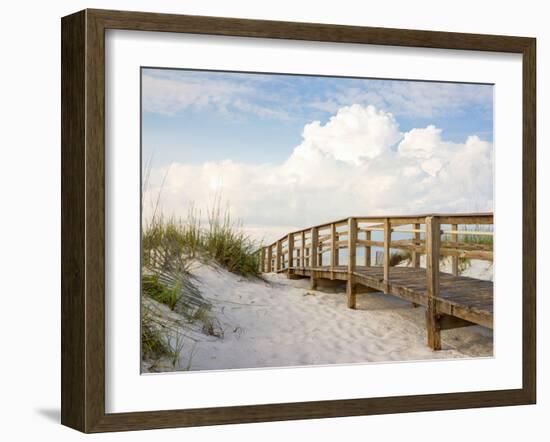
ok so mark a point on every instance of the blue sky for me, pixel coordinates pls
(260, 117)
(277, 148)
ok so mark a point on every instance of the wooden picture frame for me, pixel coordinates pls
(83, 219)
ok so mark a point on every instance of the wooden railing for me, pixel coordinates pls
(432, 235)
(309, 247)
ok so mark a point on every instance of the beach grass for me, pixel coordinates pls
(473, 238)
(153, 346)
(221, 240)
(398, 257)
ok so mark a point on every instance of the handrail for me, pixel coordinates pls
(461, 218)
(337, 239)
(309, 255)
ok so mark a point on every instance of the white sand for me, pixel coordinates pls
(282, 323)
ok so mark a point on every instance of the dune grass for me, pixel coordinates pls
(150, 286)
(153, 346)
(169, 246)
(221, 240)
(399, 256)
(473, 239)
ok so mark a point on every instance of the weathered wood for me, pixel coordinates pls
(433, 325)
(459, 246)
(368, 242)
(409, 230)
(451, 301)
(369, 227)
(462, 297)
(433, 236)
(351, 292)
(387, 245)
(352, 247)
(333, 249)
(447, 322)
(270, 259)
(303, 253)
(415, 256)
(314, 256)
(262, 259)
(278, 254)
(352, 238)
(290, 241)
(455, 231)
(466, 219)
(368, 251)
(454, 259)
(482, 255)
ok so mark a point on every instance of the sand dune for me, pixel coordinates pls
(280, 322)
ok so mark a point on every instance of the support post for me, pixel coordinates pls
(352, 246)
(270, 259)
(333, 250)
(433, 238)
(278, 256)
(368, 253)
(415, 255)
(262, 260)
(387, 244)
(290, 240)
(454, 259)
(320, 255)
(314, 254)
(303, 254)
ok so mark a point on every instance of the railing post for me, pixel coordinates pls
(314, 254)
(333, 249)
(262, 260)
(278, 256)
(387, 244)
(415, 256)
(454, 259)
(303, 254)
(290, 240)
(270, 259)
(433, 238)
(368, 253)
(319, 254)
(352, 246)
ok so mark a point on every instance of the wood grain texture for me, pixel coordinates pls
(387, 253)
(73, 250)
(83, 218)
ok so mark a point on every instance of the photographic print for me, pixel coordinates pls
(303, 220)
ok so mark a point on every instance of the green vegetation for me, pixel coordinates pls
(176, 241)
(473, 239)
(150, 286)
(398, 257)
(169, 248)
(153, 346)
(226, 243)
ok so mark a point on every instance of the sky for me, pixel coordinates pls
(287, 151)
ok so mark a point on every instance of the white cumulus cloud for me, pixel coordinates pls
(358, 163)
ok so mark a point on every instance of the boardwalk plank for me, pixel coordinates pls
(464, 297)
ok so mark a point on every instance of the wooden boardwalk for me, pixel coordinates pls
(450, 300)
